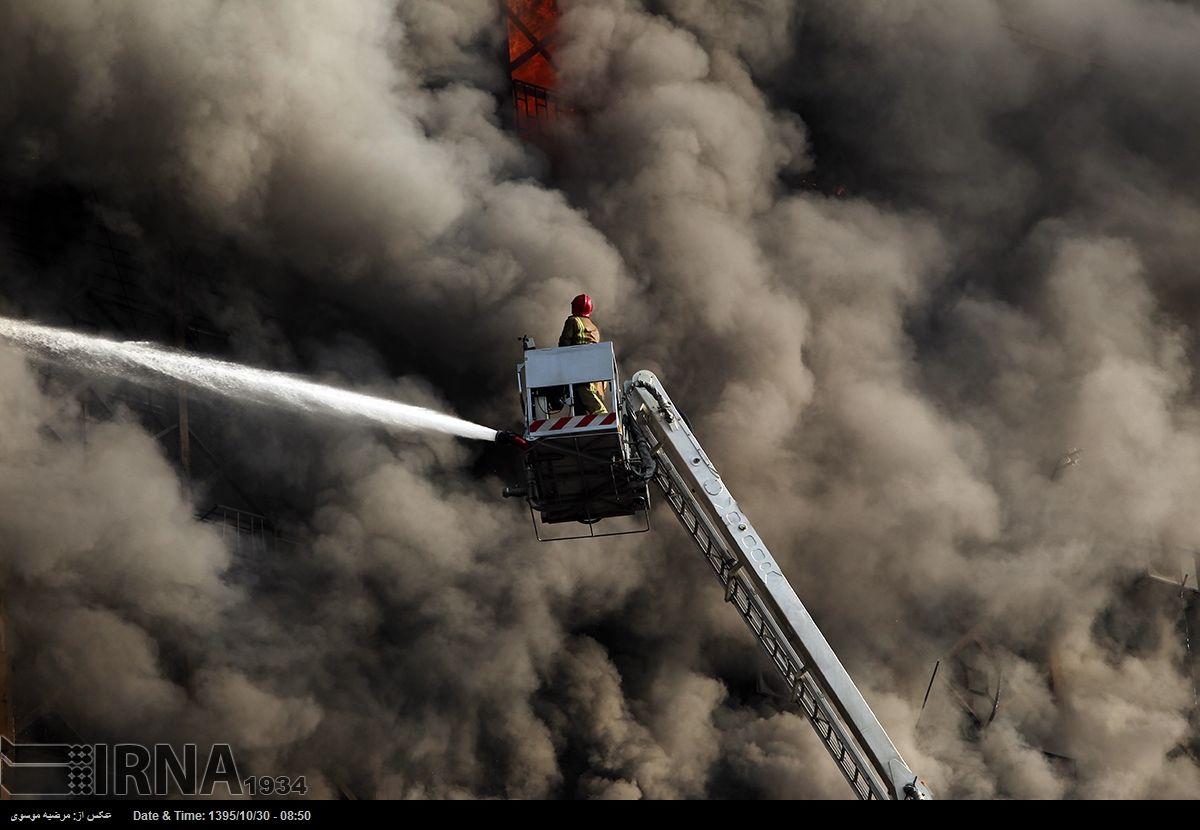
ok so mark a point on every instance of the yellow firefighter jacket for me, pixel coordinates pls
(577, 331)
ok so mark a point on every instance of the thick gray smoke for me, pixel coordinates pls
(887, 379)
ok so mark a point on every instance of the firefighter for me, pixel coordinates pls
(578, 331)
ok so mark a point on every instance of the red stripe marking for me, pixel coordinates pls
(536, 425)
(608, 419)
(560, 423)
(585, 420)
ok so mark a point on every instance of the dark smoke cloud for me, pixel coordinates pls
(887, 380)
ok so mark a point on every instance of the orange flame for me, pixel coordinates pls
(531, 29)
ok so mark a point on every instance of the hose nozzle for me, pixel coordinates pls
(503, 436)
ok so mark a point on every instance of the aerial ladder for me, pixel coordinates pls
(588, 467)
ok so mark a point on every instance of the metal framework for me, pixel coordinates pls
(755, 585)
(532, 28)
(535, 108)
(579, 467)
(126, 288)
(243, 532)
(772, 641)
(582, 470)
(113, 282)
(7, 729)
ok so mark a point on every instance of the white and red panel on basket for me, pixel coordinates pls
(553, 425)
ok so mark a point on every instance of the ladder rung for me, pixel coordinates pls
(757, 618)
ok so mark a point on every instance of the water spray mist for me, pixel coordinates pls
(123, 359)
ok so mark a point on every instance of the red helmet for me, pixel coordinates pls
(581, 306)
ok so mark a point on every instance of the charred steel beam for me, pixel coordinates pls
(538, 48)
(537, 45)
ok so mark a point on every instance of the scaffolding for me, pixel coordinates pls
(6, 712)
(7, 730)
(535, 108)
(114, 282)
(245, 533)
(117, 283)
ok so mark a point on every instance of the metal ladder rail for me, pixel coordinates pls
(804, 691)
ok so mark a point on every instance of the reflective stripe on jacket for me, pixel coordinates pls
(577, 331)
